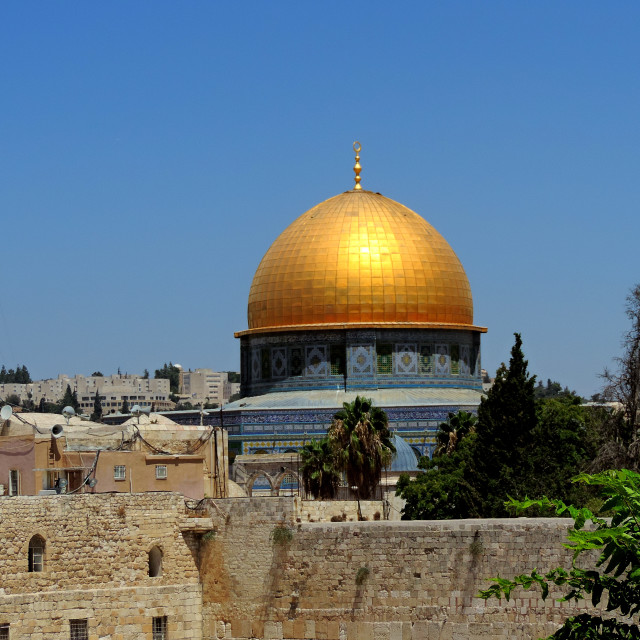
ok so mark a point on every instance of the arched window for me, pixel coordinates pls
(155, 562)
(36, 553)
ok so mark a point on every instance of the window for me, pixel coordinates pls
(161, 472)
(160, 628)
(4, 631)
(155, 562)
(338, 357)
(36, 554)
(14, 482)
(79, 629)
(385, 359)
(119, 472)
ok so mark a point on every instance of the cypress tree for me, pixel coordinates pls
(96, 416)
(506, 420)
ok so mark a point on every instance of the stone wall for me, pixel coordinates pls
(366, 580)
(265, 570)
(96, 566)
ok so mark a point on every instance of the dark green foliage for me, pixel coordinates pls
(361, 575)
(553, 389)
(281, 535)
(506, 421)
(451, 432)
(171, 373)
(97, 374)
(616, 574)
(12, 399)
(125, 407)
(70, 399)
(361, 440)
(447, 487)
(96, 416)
(233, 376)
(145, 375)
(320, 476)
(559, 449)
(516, 447)
(19, 375)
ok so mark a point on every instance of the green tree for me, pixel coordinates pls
(560, 448)
(125, 407)
(506, 420)
(13, 399)
(446, 489)
(70, 399)
(19, 375)
(616, 574)
(320, 476)
(145, 375)
(172, 373)
(96, 416)
(451, 432)
(361, 440)
(97, 374)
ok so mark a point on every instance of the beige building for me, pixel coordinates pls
(203, 386)
(113, 391)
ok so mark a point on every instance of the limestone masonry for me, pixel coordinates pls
(264, 568)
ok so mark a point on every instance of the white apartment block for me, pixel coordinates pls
(204, 385)
(113, 391)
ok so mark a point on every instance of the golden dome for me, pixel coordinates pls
(359, 260)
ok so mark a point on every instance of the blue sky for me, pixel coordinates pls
(150, 152)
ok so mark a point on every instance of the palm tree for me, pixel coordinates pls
(319, 474)
(362, 442)
(451, 432)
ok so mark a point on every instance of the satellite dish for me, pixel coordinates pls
(93, 482)
(68, 412)
(57, 430)
(6, 412)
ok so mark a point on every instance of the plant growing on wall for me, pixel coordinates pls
(281, 535)
(616, 574)
(361, 575)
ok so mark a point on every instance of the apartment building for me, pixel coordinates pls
(203, 386)
(113, 391)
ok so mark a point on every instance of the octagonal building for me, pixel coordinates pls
(359, 295)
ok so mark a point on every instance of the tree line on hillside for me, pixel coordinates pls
(19, 375)
(169, 372)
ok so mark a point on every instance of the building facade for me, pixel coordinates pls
(204, 386)
(113, 391)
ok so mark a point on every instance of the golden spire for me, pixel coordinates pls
(357, 147)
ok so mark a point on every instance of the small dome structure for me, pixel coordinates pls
(404, 459)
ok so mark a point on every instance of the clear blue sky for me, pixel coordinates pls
(150, 152)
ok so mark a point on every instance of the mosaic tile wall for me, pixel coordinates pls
(359, 360)
(285, 431)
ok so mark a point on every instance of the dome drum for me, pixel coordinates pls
(359, 359)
